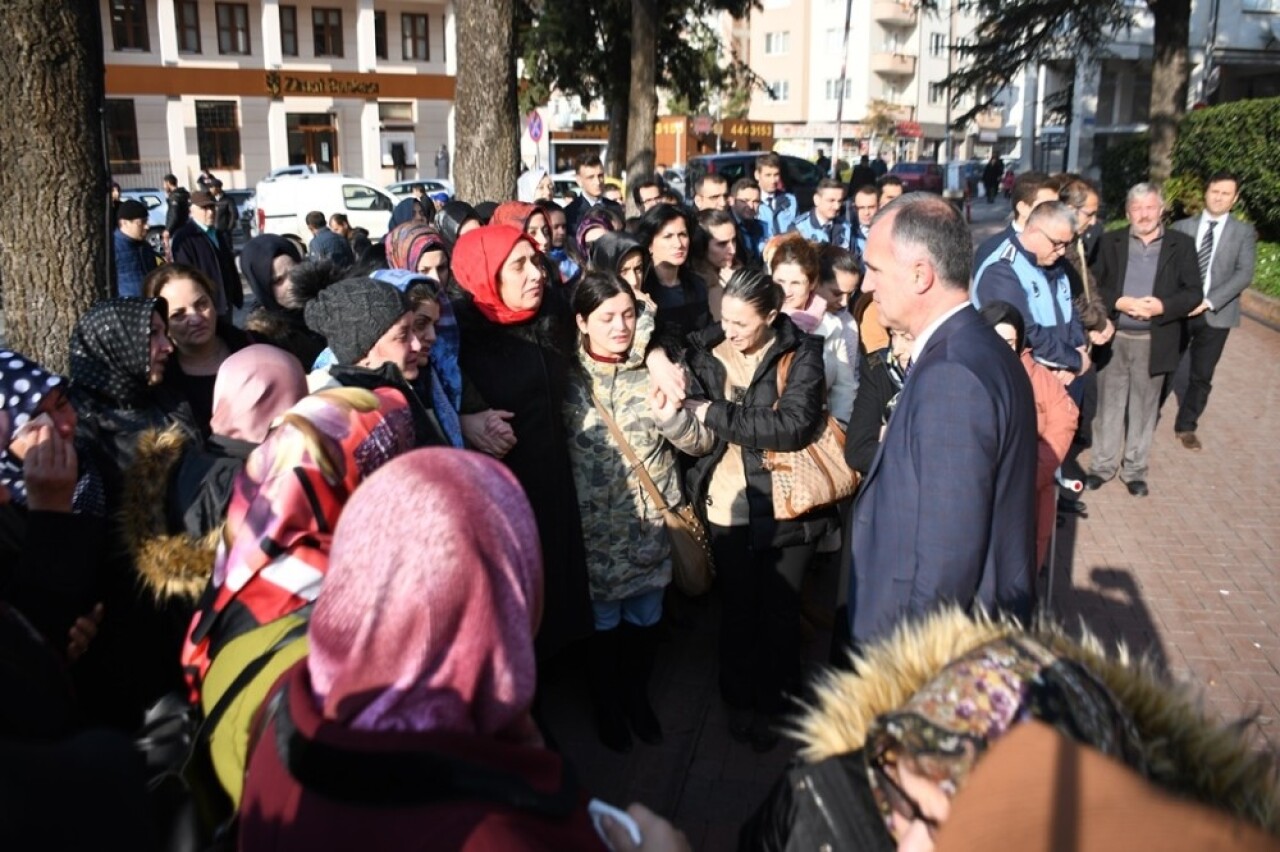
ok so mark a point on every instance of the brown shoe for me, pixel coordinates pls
(1189, 440)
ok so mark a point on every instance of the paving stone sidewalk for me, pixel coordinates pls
(1189, 576)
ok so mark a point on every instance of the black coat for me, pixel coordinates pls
(878, 383)
(524, 369)
(190, 245)
(579, 207)
(754, 424)
(1177, 285)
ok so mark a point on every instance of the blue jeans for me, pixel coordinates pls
(643, 610)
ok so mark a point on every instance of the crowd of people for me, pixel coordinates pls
(335, 524)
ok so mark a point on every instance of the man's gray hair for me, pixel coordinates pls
(928, 222)
(1053, 211)
(1140, 190)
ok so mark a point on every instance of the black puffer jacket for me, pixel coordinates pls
(754, 425)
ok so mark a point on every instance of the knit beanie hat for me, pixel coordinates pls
(353, 314)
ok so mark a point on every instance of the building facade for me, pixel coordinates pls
(363, 87)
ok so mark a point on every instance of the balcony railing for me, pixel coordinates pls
(893, 64)
(894, 14)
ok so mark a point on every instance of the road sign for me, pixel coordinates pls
(702, 125)
(535, 126)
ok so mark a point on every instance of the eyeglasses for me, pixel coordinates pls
(1058, 245)
(899, 800)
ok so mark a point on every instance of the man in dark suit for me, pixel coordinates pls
(197, 244)
(1226, 250)
(590, 174)
(946, 512)
(1148, 278)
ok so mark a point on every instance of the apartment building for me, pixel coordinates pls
(897, 58)
(364, 87)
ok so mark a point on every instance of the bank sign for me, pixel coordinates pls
(294, 84)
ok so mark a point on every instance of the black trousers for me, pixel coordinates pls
(1205, 344)
(759, 619)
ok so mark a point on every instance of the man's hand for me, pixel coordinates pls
(489, 432)
(1085, 361)
(50, 470)
(1201, 308)
(1151, 306)
(666, 375)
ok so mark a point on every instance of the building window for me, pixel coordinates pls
(122, 138)
(380, 34)
(444, 22)
(937, 44)
(218, 134)
(289, 30)
(775, 44)
(129, 25)
(327, 24)
(186, 16)
(780, 90)
(937, 93)
(233, 28)
(398, 113)
(414, 34)
(833, 89)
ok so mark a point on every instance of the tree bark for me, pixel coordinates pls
(488, 127)
(53, 176)
(618, 121)
(1169, 81)
(643, 112)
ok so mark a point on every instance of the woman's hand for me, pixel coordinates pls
(663, 407)
(656, 834)
(666, 375)
(83, 632)
(50, 470)
(698, 408)
(489, 432)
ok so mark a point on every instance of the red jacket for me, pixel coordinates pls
(515, 797)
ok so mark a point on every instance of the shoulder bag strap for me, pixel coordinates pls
(1084, 270)
(654, 494)
(784, 368)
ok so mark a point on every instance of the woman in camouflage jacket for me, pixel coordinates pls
(628, 551)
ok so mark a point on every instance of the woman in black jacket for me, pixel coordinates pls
(517, 347)
(881, 373)
(760, 561)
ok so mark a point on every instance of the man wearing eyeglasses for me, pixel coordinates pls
(1027, 271)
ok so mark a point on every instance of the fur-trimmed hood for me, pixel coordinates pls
(171, 564)
(1186, 752)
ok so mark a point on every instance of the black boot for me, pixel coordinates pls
(639, 647)
(604, 663)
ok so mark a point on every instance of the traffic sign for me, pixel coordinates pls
(535, 126)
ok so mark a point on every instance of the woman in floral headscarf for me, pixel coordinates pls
(274, 551)
(421, 656)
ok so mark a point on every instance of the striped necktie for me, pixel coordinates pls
(1206, 250)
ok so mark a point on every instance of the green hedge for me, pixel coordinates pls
(1242, 137)
(1123, 163)
(1266, 276)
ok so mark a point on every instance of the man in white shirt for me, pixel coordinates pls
(1226, 249)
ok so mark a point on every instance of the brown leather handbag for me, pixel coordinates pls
(811, 478)
(692, 568)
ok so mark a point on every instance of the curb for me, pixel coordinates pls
(1261, 307)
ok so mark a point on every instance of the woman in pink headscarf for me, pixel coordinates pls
(408, 726)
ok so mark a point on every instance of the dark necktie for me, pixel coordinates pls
(827, 229)
(1206, 250)
(773, 210)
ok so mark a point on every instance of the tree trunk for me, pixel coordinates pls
(643, 112)
(1169, 80)
(488, 127)
(617, 159)
(53, 178)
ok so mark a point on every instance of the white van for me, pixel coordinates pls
(284, 202)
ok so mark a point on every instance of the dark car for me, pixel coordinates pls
(919, 177)
(799, 177)
(242, 233)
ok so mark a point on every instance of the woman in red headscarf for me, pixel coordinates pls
(408, 726)
(517, 346)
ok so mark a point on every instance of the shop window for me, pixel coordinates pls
(186, 14)
(122, 138)
(233, 28)
(218, 134)
(414, 35)
(289, 30)
(327, 24)
(129, 25)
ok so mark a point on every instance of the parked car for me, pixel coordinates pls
(919, 177)
(283, 203)
(799, 177)
(564, 188)
(243, 231)
(674, 178)
(440, 189)
(300, 169)
(157, 204)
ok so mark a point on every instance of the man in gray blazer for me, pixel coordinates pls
(1227, 249)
